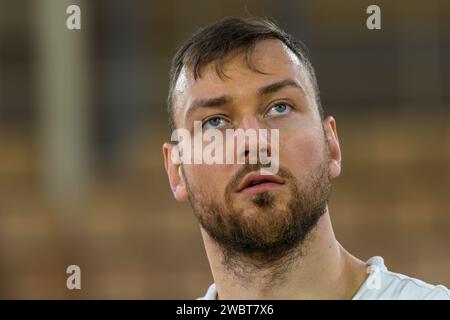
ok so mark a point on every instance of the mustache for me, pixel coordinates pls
(246, 169)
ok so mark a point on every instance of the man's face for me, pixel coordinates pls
(267, 220)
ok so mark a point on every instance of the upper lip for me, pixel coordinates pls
(255, 177)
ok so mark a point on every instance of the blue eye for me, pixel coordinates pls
(214, 123)
(279, 109)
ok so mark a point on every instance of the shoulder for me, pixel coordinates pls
(211, 293)
(387, 285)
(404, 287)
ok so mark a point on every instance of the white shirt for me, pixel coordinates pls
(382, 284)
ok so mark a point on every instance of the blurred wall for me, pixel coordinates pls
(82, 121)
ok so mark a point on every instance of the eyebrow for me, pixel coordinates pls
(274, 87)
(208, 102)
(225, 99)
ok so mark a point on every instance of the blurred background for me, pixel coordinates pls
(82, 122)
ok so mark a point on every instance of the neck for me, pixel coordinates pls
(324, 270)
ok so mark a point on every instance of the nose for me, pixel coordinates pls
(256, 140)
(250, 122)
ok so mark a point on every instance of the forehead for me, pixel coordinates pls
(271, 56)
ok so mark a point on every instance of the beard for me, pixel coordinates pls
(271, 228)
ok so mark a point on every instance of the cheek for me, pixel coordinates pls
(302, 152)
(209, 179)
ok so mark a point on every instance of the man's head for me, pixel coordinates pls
(248, 74)
(216, 42)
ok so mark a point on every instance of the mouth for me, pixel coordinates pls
(257, 183)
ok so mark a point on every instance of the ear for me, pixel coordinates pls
(334, 149)
(173, 169)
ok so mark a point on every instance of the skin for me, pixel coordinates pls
(325, 270)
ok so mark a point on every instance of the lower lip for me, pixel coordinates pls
(263, 187)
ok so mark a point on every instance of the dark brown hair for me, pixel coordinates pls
(215, 42)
